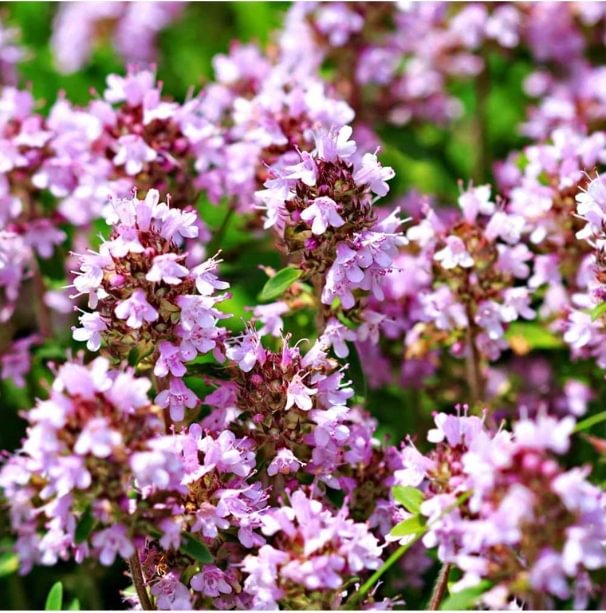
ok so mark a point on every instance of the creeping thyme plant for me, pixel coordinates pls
(303, 306)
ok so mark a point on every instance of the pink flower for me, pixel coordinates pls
(92, 326)
(136, 310)
(374, 175)
(170, 361)
(322, 213)
(133, 153)
(298, 393)
(454, 254)
(211, 582)
(284, 462)
(112, 541)
(179, 224)
(247, 351)
(98, 439)
(177, 398)
(166, 268)
(171, 595)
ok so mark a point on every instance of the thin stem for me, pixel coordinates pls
(393, 558)
(472, 362)
(439, 589)
(136, 574)
(589, 422)
(317, 282)
(44, 317)
(217, 239)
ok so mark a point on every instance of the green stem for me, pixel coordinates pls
(483, 160)
(393, 558)
(217, 239)
(590, 422)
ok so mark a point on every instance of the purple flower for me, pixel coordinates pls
(98, 439)
(92, 326)
(454, 254)
(169, 361)
(284, 463)
(247, 351)
(112, 541)
(374, 175)
(322, 213)
(299, 394)
(211, 582)
(177, 398)
(133, 153)
(171, 595)
(166, 269)
(136, 309)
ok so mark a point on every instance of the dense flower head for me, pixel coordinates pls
(73, 466)
(525, 512)
(322, 208)
(145, 297)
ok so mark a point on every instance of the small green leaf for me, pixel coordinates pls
(9, 563)
(74, 605)
(85, 525)
(346, 321)
(408, 527)
(535, 335)
(194, 548)
(54, 600)
(590, 421)
(465, 599)
(409, 497)
(597, 311)
(279, 283)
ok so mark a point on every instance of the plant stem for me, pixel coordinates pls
(217, 239)
(472, 362)
(44, 317)
(393, 558)
(439, 589)
(136, 574)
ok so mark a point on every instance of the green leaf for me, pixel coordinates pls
(85, 525)
(74, 605)
(535, 335)
(54, 600)
(465, 599)
(408, 527)
(591, 421)
(409, 497)
(197, 550)
(597, 311)
(279, 283)
(9, 563)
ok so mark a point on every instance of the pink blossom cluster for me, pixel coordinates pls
(525, 512)
(147, 299)
(132, 26)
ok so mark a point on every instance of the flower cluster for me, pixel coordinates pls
(133, 26)
(322, 208)
(69, 487)
(531, 527)
(146, 299)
